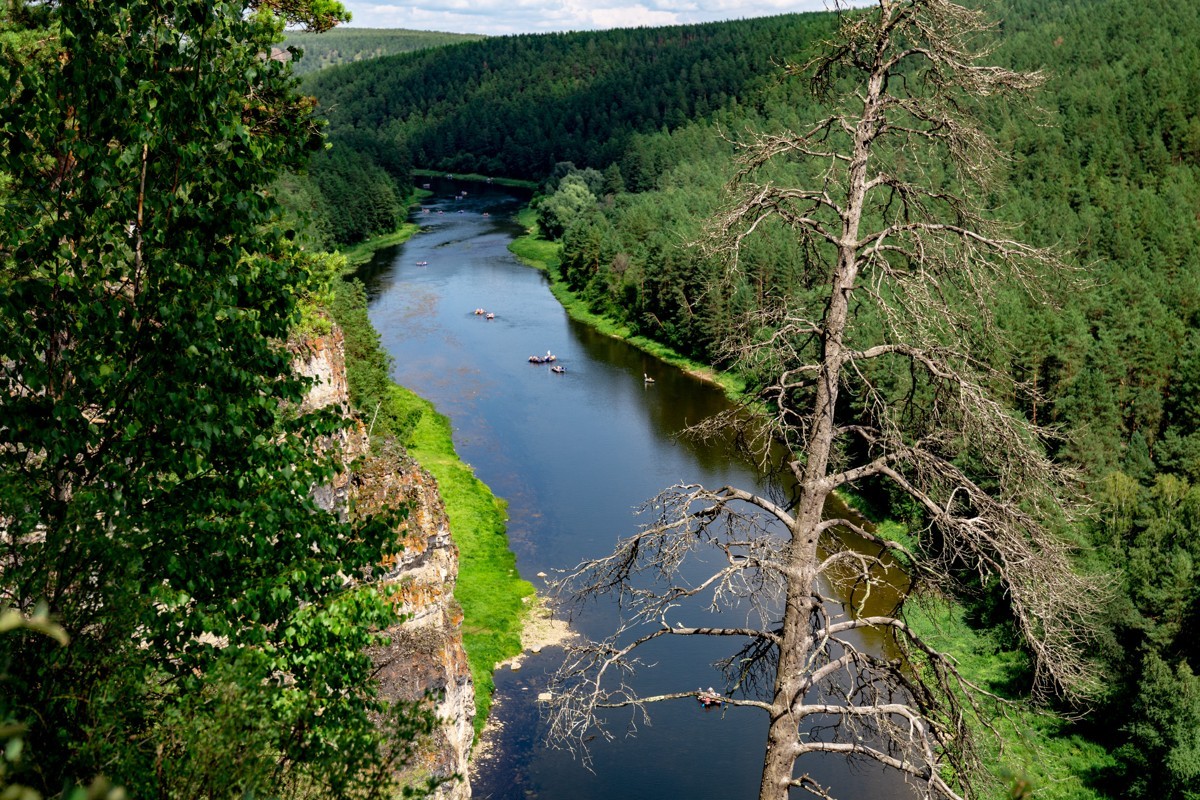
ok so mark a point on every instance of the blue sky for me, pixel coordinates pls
(498, 17)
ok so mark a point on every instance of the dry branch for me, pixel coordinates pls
(887, 376)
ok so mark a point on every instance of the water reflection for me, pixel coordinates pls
(573, 455)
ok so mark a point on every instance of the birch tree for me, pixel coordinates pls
(881, 369)
(155, 469)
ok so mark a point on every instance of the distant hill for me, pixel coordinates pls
(347, 45)
(517, 105)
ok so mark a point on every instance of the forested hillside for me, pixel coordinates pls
(517, 105)
(1108, 171)
(347, 45)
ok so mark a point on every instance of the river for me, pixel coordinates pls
(574, 454)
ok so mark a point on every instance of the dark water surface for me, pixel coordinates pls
(574, 455)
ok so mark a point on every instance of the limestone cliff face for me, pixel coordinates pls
(323, 359)
(425, 656)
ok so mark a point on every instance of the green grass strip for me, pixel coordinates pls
(361, 253)
(357, 254)
(475, 177)
(493, 596)
(1037, 755)
(534, 251)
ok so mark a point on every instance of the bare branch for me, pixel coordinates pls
(883, 364)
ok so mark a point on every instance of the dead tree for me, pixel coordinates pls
(886, 376)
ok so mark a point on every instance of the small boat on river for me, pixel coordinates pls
(710, 698)
(546, 359)
(558, 369)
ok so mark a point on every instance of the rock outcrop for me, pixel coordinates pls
(323, 359)
(425, 657)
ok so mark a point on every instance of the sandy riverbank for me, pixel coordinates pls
(541, 630)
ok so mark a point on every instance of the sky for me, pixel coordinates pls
(500, 17)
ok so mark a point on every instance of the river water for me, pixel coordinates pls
(574, 455)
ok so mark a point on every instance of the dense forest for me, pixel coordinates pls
(630, 132)
(515, 106)
(347, 45)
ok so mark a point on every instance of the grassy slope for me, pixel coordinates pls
(1037, 755)
(492, 595)
(361, 253)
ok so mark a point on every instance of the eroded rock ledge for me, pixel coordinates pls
(426, 655)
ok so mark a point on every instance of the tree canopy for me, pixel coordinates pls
(155, 466)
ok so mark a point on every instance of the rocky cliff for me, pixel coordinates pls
(425, 657)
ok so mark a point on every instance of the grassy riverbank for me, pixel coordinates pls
(542, 255)
(358, 254)
(1030, 752)
(492, 595)
(1033, 754)
(361, 253)
(476, 178)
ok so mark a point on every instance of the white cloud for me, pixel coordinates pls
(499, 17)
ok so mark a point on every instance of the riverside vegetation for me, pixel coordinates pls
(1106, 169)
(493, 597)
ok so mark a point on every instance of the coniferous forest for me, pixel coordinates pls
(168, 191)
(629, 134)
(347, 45)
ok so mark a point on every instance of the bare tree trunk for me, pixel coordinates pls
(902, 248)
(797, 647)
